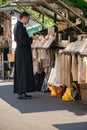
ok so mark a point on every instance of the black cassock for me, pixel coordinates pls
(23, 72)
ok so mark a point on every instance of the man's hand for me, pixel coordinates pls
(35, 37)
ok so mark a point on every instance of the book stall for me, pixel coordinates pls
(72, 74)
(5, 42)
(43, 55)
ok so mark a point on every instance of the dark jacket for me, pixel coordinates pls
(23, 73)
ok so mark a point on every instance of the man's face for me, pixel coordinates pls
(26, 19)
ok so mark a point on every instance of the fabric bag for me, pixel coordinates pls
(55, 91)
(38, 79)
(72, 93)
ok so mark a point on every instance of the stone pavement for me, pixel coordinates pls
(42, 112)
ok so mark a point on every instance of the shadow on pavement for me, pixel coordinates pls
(41, 102)
(72, 126)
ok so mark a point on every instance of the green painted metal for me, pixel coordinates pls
(2, 9)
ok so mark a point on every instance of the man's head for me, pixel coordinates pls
(24, 17)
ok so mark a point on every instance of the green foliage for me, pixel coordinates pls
(4, 1)
(80, 3)
(37, 15)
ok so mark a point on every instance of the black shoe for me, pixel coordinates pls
(27, 95)
(24, 96)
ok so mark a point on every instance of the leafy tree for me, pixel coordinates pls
(4, 1)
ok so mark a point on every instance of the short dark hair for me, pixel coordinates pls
(24, 14)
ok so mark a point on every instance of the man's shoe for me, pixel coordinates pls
(27, 95)
(24, 96)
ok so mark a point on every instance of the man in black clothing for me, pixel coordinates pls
(23, 71)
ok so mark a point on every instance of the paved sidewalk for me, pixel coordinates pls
(42, 112)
